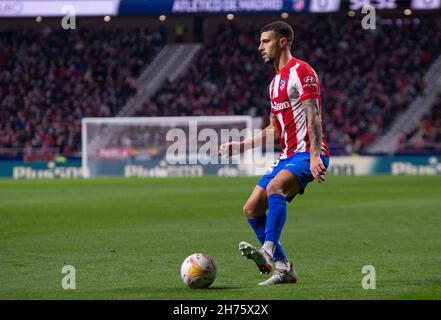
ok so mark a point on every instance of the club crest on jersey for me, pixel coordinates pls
(282, 83)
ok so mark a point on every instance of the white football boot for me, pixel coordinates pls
(258, 255)
(281, 276)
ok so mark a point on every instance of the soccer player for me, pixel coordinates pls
(295, 118)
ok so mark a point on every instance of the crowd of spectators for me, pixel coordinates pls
(368, 76)
(51, 78)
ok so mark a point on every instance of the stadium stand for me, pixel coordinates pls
(427, 137)
(368, 77)
(51, 78)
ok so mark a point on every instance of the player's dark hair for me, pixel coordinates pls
(282, 29)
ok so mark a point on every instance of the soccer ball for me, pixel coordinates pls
(198, 271)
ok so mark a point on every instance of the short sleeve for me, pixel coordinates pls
(309, 82)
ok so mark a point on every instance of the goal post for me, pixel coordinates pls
(165, 146)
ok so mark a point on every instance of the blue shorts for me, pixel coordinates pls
(298, 164)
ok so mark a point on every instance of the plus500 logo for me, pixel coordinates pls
(280, 106)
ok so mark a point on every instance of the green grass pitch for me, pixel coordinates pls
(127, 238)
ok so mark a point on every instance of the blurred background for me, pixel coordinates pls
(381, 88)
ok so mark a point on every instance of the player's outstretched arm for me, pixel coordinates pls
(315, 132)
(236, 147)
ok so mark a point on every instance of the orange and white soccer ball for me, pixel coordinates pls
(198, 271)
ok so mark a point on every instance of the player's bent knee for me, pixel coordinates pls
(248, 211)
(251, 211)
(274, 188)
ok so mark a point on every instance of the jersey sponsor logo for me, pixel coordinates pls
(310, 85)
(309, 79)
(280, 106)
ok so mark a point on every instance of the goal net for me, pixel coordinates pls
(165, 146)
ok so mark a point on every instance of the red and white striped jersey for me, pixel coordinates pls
(293, 84)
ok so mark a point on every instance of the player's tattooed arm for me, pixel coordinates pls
(314, 125)
(315, 132)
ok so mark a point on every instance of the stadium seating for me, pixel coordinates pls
(368, 77)
(427, 137)
(51, 78)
